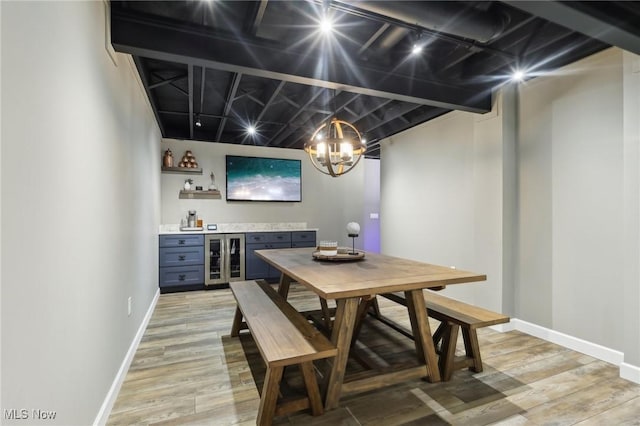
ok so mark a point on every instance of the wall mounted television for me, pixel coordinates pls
(263, 179)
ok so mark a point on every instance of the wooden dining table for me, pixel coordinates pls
(350, 284)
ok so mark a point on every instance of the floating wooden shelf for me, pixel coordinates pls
(210, 195)
(183, 170)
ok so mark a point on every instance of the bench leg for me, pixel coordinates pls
(326, 315)
(472, 348)
(313, 391)
(448, 351)
(375, 308)
(283, 286)
(237, 323)
(439, 334)
(269, 396)
(363, 308)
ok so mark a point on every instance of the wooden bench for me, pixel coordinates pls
(454, 314)
(284, 337)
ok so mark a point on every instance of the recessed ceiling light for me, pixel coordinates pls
(251, 130)
(326, 26)
(416, 49)
(518, 75)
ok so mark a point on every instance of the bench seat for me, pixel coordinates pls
(454, 315)
(283, 337)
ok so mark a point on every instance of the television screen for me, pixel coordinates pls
(263, 179)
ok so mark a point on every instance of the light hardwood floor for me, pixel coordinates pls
(187, 370)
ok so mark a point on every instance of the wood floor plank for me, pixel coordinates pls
(625, 414)
(584, 403)
(189, 371)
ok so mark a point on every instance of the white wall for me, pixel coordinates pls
(80, 209)
(327, 203)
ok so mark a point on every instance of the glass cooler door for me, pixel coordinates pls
(214, 260)
(235, 257)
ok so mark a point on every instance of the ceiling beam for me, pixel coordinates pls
(190, 73)
(273, 97)
(172, 83)
(227, 105)
(168, 41)
(290, 101)
(389, 129)
(585, 20)
(167, 81)
(389, 115)
(282, 134)
(305, 133)
(152, 98)
(202, 86)
(257, 20)
(373, 38)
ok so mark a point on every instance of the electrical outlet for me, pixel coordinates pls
(129, 306)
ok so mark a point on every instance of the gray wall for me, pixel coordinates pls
(442, 198)
(80, 209)
(552, 220)
(327, 203)
(571, 223)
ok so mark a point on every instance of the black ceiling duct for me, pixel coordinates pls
(455, 18)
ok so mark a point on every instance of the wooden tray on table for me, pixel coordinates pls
(342, 256)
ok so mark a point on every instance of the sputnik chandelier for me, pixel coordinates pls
(335, 147)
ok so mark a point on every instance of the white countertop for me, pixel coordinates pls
(227, 228)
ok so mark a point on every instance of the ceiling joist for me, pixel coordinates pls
(172, 42)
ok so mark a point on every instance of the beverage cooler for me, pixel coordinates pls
(224, 258)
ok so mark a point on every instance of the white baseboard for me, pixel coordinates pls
(573, 343)
(110, 399)
(630, 372)
(627, 371)
(503, 328)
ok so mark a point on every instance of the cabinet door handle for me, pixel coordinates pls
(181, 277)
(181, 257)
(181, 242)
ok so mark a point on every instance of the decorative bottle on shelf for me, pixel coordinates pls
(213, 186)
(167, 160)
(187, 184)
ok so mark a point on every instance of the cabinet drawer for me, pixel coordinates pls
(181, 275)
(181, 256)
(304, 244)
(268, 237)
(304, 236)
(181, 240)
(266, 246)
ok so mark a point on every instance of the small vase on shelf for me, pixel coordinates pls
(213, 186)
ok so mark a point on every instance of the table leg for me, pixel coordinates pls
(341, 337)
(422, 333)
(283, 286)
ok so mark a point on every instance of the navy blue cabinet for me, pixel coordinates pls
(181, 262)
(303, 239)
(256, 268)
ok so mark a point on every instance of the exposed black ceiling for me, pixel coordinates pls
(232, 64)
